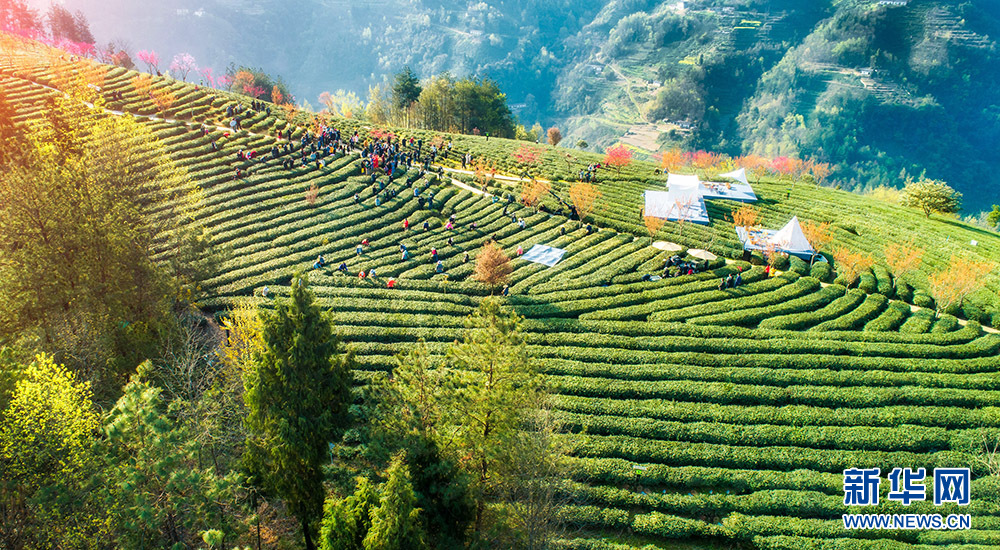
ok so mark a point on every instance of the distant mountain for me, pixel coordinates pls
(879, 90)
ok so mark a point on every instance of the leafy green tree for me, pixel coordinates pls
(396, 523)
(85, 201)
(993, 217)
(480, 104)
(496, 385)
(410, 417)
(533, 491)
(931, 196)
(346, 523)
(46, 441)
(436, 105)
(297, 398)
(69, 26)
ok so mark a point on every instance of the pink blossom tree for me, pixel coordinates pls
(253, 90)
(206, 73)
(150, 58)
(183, 64)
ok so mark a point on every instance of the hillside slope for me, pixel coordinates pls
(698, 417)
(873, 90)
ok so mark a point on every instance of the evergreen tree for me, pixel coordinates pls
(157, 492)
(297, 397)
(496, 386)
(406, 90)
(346, 523)
(410, 417)
(396, 523)
(69, 26)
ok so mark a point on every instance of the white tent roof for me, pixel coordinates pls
(738, 175)
(658, 204)
(684, 189)
(683, 181)
(791, 238)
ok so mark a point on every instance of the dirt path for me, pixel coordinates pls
(628, 90)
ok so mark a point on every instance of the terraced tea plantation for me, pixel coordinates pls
(698, 417)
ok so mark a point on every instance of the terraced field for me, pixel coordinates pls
(698, 417)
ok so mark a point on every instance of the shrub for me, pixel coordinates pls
(821, 271)
(922, 299)
(867, 283)
(799, 266)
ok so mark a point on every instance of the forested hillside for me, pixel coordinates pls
(229, 323)
(871, 89)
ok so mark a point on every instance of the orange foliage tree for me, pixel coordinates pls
(291, 111)
(532, 192)
(902, 258)
(164, 100)
(142, 83)
(483, 171)
(276, 96)
(746, 216)
(618, 157)
(653, 224)
(584, 197)
(492, 265)
(756, 165)
(962, 277)
(818, 235)
(851, 265)
(242, 80)
(312, 194)
(672, 160)
(704, 160)
(819, 171)
(555, 136)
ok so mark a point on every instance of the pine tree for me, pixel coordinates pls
(346, 523)
(297, 396)
(496, 385)
(406, 91)
(396, 523)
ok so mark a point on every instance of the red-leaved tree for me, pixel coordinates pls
(618, 157)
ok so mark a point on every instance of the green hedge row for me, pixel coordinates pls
(750, 317)
(789, 415)
(856, 318)
(806, 319)
(905, 438)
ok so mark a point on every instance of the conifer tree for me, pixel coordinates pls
(297, 397)
(346, 523)
(396, 523)
(496, 384)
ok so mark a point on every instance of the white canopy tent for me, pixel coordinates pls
(791, 239)
(658, 204)
(738, 175)
(683, 183)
